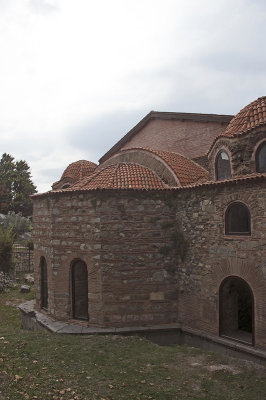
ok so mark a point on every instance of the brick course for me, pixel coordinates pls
(189, 138)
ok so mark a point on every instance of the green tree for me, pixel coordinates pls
(16, 223)
(6, 178)
(15, 186)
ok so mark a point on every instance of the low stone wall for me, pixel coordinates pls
(23, 260)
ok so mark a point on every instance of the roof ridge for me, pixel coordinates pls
(112, 177)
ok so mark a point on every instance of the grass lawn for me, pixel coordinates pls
(40, 365)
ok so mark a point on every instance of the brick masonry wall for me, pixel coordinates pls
(213, 256)
(192, 139)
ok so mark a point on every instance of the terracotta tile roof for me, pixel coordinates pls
(234, 180)
(249, 117)
(231, 181)
(120, 176)
(187, 171)
(78, 169)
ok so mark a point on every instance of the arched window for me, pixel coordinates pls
(261, 158)
(222, 166)
(44, 284)
(236, 310)
(237, 219)
(80, 290)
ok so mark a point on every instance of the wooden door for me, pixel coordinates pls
(44, 284)
(80, 290)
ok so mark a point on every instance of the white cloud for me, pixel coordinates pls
(44, 6)
(68, 64)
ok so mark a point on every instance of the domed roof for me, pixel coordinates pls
(172, 168)
(186, 170)
(249, 117)
(120, 176)
(78, 169)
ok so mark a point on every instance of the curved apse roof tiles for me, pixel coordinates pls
(79, 169)
(120, 176)
(251, 116)
(74, 172)
(186, 170)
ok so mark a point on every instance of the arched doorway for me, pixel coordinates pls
(80, 290)
(44, 283)
(236, 310)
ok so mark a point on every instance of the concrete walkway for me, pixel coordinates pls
(31, 317)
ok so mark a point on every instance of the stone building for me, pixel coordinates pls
(168, 230)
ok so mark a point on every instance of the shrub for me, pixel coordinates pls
(7, 238)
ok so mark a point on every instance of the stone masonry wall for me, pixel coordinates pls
(241, 150)
(122, 237)
(153, 257)
(139, 268)
(66, 228)
(212, 256)
(42, 243)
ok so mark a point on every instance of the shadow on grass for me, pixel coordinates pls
(41, 365)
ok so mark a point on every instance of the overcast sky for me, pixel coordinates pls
(76, 75)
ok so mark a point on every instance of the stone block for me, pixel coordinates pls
(25, 289)
(157, 296)
(28, 278)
